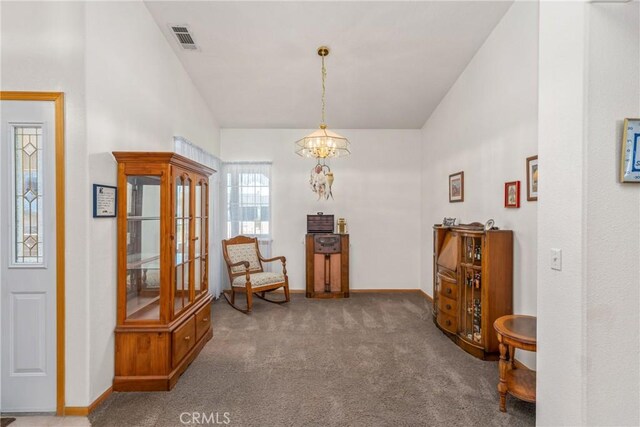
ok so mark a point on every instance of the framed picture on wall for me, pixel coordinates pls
(512, 194)
(105, 201)
(630, 153)
(456, 187)
(532, 178)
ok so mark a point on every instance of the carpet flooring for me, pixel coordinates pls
(370, 360)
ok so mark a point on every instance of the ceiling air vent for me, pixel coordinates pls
(184, 37)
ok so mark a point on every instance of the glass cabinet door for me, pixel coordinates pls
(143, 248)
(471, 292)
(183, 250)
(200, 239)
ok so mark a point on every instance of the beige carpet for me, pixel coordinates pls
(370, 360)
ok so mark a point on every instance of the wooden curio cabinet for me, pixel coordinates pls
(163, 316)
(472, 284)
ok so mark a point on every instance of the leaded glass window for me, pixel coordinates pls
(28, 215)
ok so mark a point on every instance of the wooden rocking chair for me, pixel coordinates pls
(244, 265)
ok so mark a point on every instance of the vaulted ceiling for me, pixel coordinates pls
(390, 62)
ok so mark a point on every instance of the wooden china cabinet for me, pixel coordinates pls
(163, 317)
(472, 284)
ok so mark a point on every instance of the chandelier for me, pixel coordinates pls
(323, 143)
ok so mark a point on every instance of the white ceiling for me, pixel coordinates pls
(390, 63)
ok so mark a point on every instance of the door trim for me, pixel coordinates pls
(58, 100)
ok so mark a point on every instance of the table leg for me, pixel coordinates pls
(502, 385)
(512, 356)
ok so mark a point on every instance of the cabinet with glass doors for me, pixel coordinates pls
(163, 314)
(472, 284)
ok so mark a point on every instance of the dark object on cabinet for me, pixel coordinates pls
(327, 258)
(472, 284)
(164, 306)
(319, 223)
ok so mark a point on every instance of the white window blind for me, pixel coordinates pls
(247, 192)
(248, 199)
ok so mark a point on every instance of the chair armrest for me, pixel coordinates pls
(239, 263)
(281, 258)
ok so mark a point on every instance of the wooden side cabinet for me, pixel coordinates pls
(164, 305)
(327, 260)
(472, 285)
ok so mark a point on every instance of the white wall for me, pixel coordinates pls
(486, 126)
(612, 220)
(149, 99)
(561, 349)
(48, 55)
(376, 189)
(589, 68)
(125, 90)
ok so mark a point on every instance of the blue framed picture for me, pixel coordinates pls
(105, 201)
(630, 158)
(635, 163)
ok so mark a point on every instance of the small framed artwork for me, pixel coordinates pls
(532, 178)
(456, 187)
(512, 194)
(105, 200)
(630, 153)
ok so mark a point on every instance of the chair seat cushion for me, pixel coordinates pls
(259, 279)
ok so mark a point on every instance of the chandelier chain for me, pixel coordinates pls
(324, 76)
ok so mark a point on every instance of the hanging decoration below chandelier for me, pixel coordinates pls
(321, 181)
(322, 144)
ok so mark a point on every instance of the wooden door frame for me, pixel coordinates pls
(58, 99)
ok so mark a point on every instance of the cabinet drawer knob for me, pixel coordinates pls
(206, 319)
(187, 338)
(448, 290)
(448, 306)
(448, 322)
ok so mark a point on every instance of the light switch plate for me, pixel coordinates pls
(556, 259)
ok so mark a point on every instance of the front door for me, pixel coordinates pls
(27, 257)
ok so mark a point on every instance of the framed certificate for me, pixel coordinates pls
(630, 156)
(105, 199)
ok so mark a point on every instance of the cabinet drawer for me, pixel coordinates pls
(449, 289)
(447, 275)
(447, 322)
(183, 340)
(448, 305)
(203, 321)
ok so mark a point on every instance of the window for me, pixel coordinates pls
(27, 224)
(248, 199)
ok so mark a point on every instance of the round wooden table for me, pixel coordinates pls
(515, 331)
